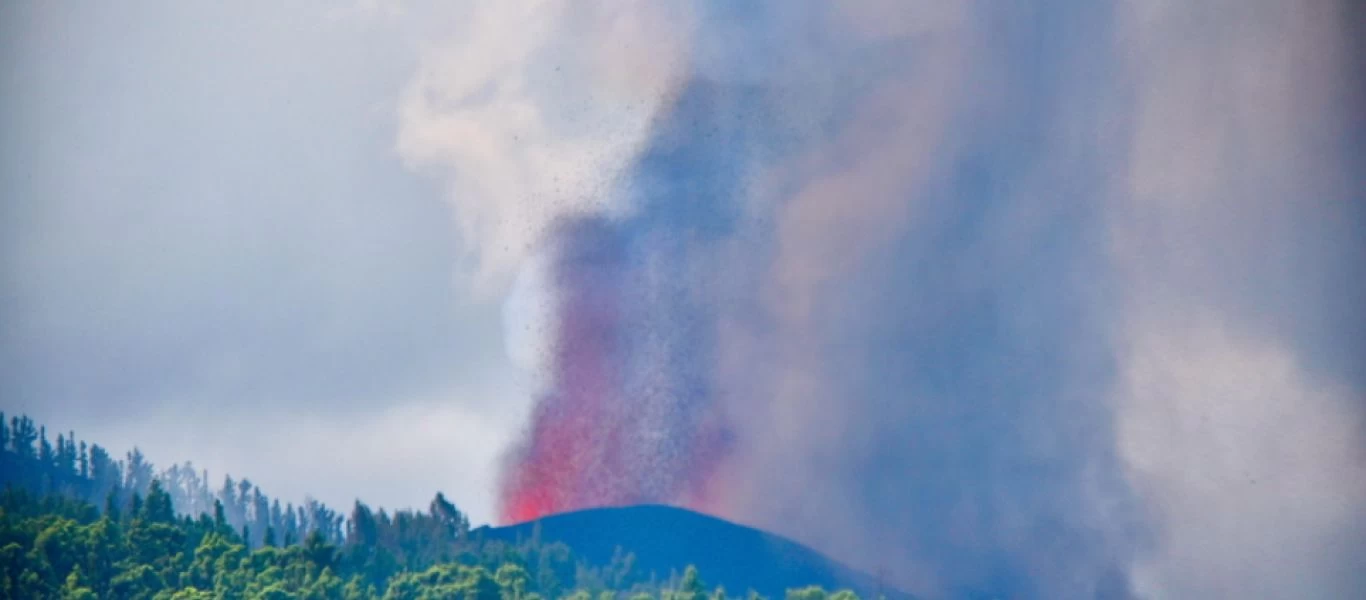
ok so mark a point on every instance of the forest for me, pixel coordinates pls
(77, 523)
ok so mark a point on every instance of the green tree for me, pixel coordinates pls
(57, 546)
(157, 508)
(691, 586)
(75, 587)
(512, 581)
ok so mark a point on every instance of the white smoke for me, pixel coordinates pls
(1251, 460)
(530, 111)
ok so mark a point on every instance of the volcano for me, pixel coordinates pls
(665, 540)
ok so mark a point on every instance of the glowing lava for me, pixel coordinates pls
(625, 420)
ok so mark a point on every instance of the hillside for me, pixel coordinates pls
(667, 539)
(76, 522)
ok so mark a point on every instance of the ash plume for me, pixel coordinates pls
(1026, 301)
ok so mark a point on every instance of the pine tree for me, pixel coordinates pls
(139, 472)
(158, 507)
(277, 519)
(66, 456)
(111, 506)
(22, 435)
(260, 513)
(44, 448)
(227, 498)
(220, 521)
(691, 587)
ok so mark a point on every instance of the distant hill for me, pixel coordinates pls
(667, 539)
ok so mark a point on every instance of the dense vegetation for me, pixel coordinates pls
(56, 543)
(75, 469)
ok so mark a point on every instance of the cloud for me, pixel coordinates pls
(193, 227)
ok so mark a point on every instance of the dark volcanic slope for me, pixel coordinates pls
(666, 539)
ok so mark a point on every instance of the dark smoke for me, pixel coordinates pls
(873, 294)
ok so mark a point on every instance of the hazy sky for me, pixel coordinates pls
(213, 250)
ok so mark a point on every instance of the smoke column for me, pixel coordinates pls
(632, 414)
(1033, 301)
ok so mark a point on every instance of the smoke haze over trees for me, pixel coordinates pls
(165, 535)
(30, 460)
